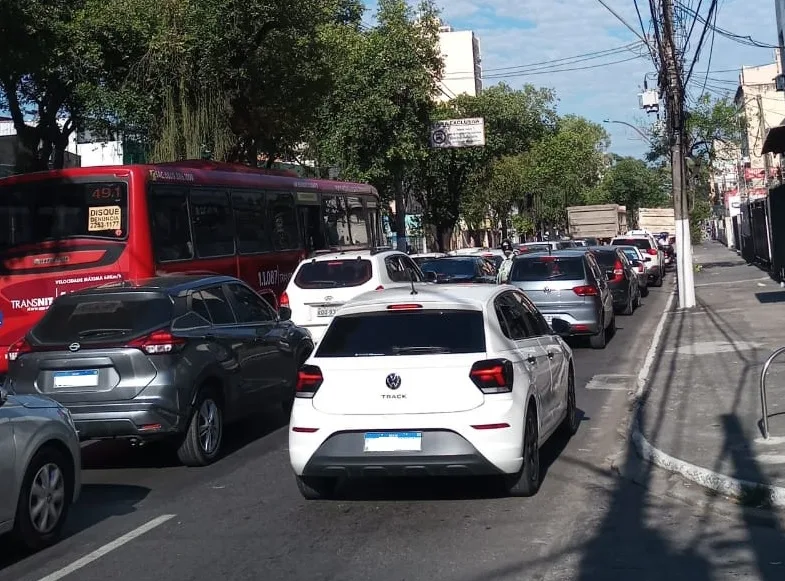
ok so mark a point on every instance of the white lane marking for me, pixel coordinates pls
(724, 282)
(643, 374)
(612, 382)
(107, 548)
(773, 440)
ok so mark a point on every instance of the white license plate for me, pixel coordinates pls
(393, 442)
(81, 378)
(326, 311)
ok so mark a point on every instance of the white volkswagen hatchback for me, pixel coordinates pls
(438, 380)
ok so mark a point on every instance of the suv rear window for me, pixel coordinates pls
(642, 243)
(606, 258)
(334, 273)
(419, 332)
(547, 268)
(102, 319)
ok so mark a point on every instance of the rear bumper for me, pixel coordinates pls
(582, 321)
(444, 453)
(125, 420)
(653, 272)
(449, 444)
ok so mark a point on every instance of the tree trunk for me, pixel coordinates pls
(440, 237)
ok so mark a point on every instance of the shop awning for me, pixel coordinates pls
(775, 140)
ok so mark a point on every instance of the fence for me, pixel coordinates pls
(759, 231)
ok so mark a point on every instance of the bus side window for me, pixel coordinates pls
(213, 227)
(170, 226)
(250, 218)
(282, 215)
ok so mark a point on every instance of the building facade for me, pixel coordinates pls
(761, 107)
(462, 73)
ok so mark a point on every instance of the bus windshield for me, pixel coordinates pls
(51, 210)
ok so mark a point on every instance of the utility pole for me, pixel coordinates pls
(675, 111)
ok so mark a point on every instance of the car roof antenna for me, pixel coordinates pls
(414, 290)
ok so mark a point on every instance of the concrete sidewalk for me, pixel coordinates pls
(699, 410)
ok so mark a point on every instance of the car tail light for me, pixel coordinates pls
(492, 375)
(17, 348)
(547, 259)
(403, 307)
(309, 379)
(652, 251)
(157, 343)
(586, 291)
(284, 302)
(618, 271)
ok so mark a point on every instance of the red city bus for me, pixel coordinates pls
(64, 230)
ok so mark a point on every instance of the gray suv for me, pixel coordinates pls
(174, 357)
(568, 285)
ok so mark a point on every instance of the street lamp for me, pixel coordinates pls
(630, 125)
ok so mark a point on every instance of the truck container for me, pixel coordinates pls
(656, 220)
(602, 221)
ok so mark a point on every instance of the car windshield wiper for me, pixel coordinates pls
(419, 350)
(100, 332)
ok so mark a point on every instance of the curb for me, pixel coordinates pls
(754, 493)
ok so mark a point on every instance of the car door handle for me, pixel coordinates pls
(532, 359)
(551, 354)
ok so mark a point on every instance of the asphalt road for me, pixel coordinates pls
(243, 518)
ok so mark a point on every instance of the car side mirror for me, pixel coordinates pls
(560, 326)
(284, 313)
(635, 263)
(430, 276)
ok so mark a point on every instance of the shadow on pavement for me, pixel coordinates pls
(97, 503)
(119, 454)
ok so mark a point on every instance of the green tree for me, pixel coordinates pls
(632, 183)
(564, 168)
(375, 123)
(515, 120)
(58, 62)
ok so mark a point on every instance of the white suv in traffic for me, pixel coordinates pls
(450, 380)
(322, 284)
(653, 256)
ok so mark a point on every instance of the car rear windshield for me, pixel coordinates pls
(334, 273)
(547, 268)
(606, 258)
(416, 332)
(56, 210)
(450, 267)
(102, 319)
(642, 243)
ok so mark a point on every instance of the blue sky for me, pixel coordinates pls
(515, 33)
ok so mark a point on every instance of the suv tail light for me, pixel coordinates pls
(652, 251)
(586, 291)
(157, 343)
(17, 348)
(284, 302)
(309, 379)
(618, 271)
(492, 375)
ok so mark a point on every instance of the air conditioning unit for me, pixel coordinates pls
(779, 82)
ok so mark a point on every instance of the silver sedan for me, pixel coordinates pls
(40, 468)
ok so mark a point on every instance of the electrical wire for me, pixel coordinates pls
(576, 58)
(746, 40)
(711, 51)
(706, 27)
(545, 72)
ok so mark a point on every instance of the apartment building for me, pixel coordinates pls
(462, 74)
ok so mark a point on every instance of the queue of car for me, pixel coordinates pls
(386, 366)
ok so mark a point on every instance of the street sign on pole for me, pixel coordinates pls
(458, 133)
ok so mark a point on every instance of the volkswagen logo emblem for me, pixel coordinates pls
(393, 381)
(74, 347)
